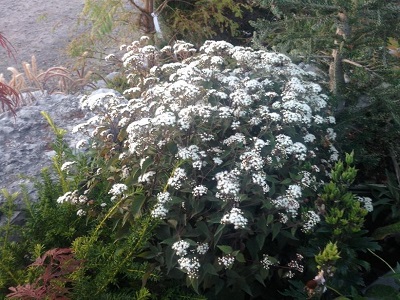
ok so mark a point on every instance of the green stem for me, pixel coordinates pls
(131, 253)
(376, 255)
(9, 273)
(336, 291)
(110, 212)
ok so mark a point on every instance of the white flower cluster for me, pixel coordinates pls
(226, 261)
(309, 138)
(251, 160)
(334, 153)
(308, 180)
(192, 153)
(81, 212)
(117, 189)
(289, 202)
(266, 262)
(239, 126)
(310, 219)
(330, 134)
(228, 185)
(73, 198)
(367, 203)
(190, 265)
(235, 217)
(199, 190)
(76, 199)
(237, 138)
(294, 264)
(146, 177)
(67, 166)
(202, 248)
(181, 247)
(82, 144)
(177, 178)
(159, 210)
(259, 178)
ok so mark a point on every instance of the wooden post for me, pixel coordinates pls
(146, 7)
(148, 19)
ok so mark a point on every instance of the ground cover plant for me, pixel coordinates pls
(214, 174)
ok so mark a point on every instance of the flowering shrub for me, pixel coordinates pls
(230, 146)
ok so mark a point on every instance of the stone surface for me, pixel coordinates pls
(26, 140)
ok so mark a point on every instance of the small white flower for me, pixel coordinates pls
(159, 211)
(64, 198)
(367, 203)
(190, 266)
(226, 261)
(235, 217)
(82, 144)
(199, 190)
(82, 199)
(118, 189)
(181, 247)
(235, 139)
(311, 218)
(67, 166)
(266, 262)
(146, 177)
(309, 138)
(331, 120)
(163, 197)
(331, 135)
(81, 213)
(235, 125)
(109, 57)
(217, 160)
(202, 248)
(177, 178)
(318, 119)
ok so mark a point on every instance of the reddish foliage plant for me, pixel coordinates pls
(57, 264)
(9, 97)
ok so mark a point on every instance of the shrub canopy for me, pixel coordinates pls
(230, 148)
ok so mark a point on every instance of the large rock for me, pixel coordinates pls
(26, 140)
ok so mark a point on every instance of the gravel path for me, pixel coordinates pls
(40, 28)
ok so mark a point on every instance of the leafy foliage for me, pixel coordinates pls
(342, 231)
(109, 23)
(198, 20)
(103, 253)
(9, 248)
(349, 41)
(215, 142)
(57, 264)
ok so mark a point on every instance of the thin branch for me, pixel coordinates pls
(361, 66)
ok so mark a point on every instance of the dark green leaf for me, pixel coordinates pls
(276, 229)
(225, 249)
(203, 229)
(209, 269)
(218, 233)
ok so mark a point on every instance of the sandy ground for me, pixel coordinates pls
(40, 28)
